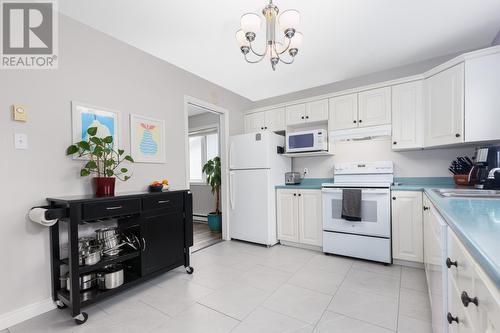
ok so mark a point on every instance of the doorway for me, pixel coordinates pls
(205, 145)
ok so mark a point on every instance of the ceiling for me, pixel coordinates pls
(342, 38)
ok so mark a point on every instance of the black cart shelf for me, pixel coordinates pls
(162, 221)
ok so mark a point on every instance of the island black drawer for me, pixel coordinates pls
(167, 201)
(97, 210)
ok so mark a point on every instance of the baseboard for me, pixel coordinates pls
(302, 246)
(17, 316)
(408, 263)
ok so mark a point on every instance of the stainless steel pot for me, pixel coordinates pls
(86, 281)
(104, 233)
(93, 255)
(112, 277)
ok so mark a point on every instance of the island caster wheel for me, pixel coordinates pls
(60, 305)
(81, 318)
(189, 270)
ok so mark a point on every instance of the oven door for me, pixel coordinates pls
(375, 212)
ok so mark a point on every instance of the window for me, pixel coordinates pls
(203, 146)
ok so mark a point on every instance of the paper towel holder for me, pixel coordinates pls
(53, 213)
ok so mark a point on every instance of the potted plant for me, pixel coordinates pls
(104, 161)
(212, 170)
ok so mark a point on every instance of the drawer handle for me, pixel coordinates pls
(426, 208)
(450, 263)
(466, 300)
(114, 208)
(451, 319)
(163, 201)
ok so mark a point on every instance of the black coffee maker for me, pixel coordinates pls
(485, 174)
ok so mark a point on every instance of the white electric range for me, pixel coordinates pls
(369, 238)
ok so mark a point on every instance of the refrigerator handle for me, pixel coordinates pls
(231, 190)
(231, 145)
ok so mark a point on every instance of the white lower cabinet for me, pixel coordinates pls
(471, 300)
(299, 216)
(407, 243)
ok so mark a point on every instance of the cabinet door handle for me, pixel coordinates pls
(295, 194)
(307, 117)
(426, 208)
(114, 208)
(457, 135)
(395, 143)
(163, 201)
(393, 198)
(451, 319)
(143, 244)
(300, 194)
(466, 300)
(354, 121)
(450, 263)
(360, 121)
(302, 117)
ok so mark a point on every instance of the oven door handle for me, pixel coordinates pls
(364, 191)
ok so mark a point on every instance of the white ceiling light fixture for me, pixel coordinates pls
(276, 50)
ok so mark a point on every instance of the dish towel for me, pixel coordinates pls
(351, 204)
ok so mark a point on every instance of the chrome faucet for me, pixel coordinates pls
(491, 174)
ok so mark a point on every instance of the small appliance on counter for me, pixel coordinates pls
(485, 174)
(307, 141)
(460, 168)
(293, 178)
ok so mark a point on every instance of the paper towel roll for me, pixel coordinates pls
(37, 215)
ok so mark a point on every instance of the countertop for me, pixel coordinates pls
(476, 222)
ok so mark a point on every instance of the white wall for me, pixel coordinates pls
(97, 69)
(422, 163)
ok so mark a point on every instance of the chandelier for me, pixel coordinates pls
(276, 50)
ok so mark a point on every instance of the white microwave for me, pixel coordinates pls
(306, 141)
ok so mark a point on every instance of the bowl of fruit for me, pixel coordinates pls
(159, 186)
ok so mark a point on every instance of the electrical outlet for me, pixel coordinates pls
(19, 113)
(21, 141)
(306, 170)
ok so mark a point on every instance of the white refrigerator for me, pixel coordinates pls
(255, 168)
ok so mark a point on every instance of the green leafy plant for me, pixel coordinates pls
(213, 172)
(104, 160)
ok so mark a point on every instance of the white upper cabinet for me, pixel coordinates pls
(295, 114)
(343, 112)
(317, 111)
(255, 122)
(407, 116)
(482, 98)
(270, 120)
(444, 100)
(374, 107)
(275, 119)
(311, 112)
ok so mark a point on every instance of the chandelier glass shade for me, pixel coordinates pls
(284, 25)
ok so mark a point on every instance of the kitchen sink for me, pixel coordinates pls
(465, 193)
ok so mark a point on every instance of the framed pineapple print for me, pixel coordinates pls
(147, 139)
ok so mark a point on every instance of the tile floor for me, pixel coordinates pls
(238, 287)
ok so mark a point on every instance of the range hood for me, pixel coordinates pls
(361, 134)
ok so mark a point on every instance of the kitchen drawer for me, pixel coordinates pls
(462, 273)
(102, 209)
(164, 201)
(457, 310)
(488, 296)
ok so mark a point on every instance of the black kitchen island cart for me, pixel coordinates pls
(162, 222)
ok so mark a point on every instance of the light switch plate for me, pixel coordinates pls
(21, 141)
(19, 113)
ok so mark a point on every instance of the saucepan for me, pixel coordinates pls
(86, 281)
(111, 277)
